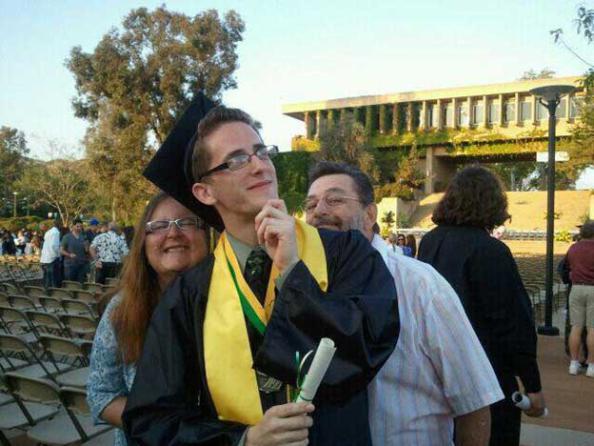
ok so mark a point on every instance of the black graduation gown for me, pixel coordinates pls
(170, 403)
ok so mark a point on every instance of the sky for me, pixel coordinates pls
(292, 51)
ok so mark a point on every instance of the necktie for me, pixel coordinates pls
(257, 272)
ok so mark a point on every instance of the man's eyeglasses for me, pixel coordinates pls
(238, 161)
(183, 224)
(330, 201)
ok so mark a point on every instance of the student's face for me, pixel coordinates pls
(332, 203)
(241, 192)
(173, 250)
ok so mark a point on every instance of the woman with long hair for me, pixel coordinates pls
(485, 276)
(168, 240)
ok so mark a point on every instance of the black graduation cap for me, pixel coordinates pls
(171, 167)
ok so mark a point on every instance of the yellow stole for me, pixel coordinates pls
(230, 376)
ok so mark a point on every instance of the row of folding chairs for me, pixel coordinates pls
(33, 323)
(85, 295)
(47, 398)
(90, 286)
(52, 305)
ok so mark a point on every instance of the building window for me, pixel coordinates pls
(525, 111)
(478, 113)
(417, 108)
(509, 112)
(575, 105)
(562, 109)
(542, 113)
(493, 112)
(448, 115)
(462, 114)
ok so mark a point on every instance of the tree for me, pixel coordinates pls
(531, 74)
(388, 222)
(13, 150)
(62, 184)
(407, 178)
(347, 141)
(292, 170)
(137, 82)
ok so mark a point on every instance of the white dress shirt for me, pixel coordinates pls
(51, 246)
(438, 370)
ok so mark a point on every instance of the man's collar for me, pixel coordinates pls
(241, 250)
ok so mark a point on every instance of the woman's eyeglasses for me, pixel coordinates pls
(183, 224)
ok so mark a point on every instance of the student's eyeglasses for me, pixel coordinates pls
(241, 160)
(331, 201)
(183, 224)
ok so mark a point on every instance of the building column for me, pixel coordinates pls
(409, 117)
(330, 118)
(470, 117)
(438, 114)
(429, 160)
(395, 118)
(534, 106)
(485, 112)
(455, 112)
(369, 119)
(382, 119)
(518, 118)
(423, 125)
(318, 123)
(501, 111)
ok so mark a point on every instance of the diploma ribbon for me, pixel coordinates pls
(299, 380)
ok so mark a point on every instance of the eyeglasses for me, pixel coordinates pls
(330, 201)
(241, 160)
(183, 224)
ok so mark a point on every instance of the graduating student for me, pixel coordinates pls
(220, 353)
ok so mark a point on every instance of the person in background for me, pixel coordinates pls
(401, 241)
(411, 242)
(482, 271)
(92, 230)
(393, 242)
(74, 248)
(169, 239)
(50, 255)
(108, 250)
(580, 260)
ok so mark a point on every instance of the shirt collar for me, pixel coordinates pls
(380, 246)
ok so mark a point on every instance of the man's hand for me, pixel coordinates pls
(98, 264)
(285, 425)
(537, 404)
(276, 232)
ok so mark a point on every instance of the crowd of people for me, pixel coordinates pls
(222, 292)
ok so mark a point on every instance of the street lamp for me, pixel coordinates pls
(14, 208)
(549, 96)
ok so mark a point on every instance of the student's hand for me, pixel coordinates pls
(276, 232)
(537, 404)
(286, 425)
(98, 264)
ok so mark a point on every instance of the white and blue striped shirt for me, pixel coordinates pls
(438, 370)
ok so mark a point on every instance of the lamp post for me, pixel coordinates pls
(14, 203)
(549, 96)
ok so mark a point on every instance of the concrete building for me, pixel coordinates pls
(489, 123)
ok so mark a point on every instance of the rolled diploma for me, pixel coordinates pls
(523, 402)
(317, 370)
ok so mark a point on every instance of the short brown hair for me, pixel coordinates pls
(587, 230)
(475, 197)
(212, 121)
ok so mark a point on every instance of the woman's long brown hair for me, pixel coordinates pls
(140, 291)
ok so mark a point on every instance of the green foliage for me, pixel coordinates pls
(13, 150)
(135, 84)
(291, 170)
(531, 74)
(563, 236)
(347, 142)
(404, 221)
(62, 184)
(301, 144)
(388, 222)
(14, 224)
